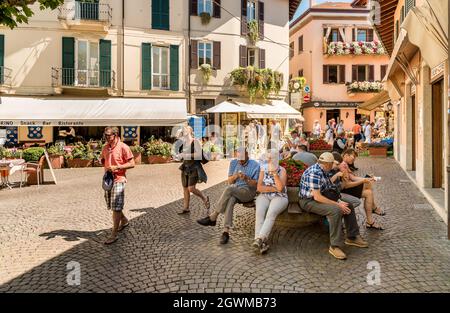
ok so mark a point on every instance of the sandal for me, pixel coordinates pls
(111, 240)
(382, 213)
(123, 226)
(207, 204)
(184, 211)
(374, 225)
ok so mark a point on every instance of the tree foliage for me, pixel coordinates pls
(14, 12)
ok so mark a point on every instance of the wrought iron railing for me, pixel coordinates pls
(5, 76)
(88, 11)
(69, 77)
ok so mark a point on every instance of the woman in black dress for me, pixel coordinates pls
(192, 171)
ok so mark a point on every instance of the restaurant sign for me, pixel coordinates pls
(47, 123)
(325, 104)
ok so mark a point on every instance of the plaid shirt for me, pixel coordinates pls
(314, 178)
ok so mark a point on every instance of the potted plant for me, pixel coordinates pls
(294, 170)
(158, 151)
(206, 72)
(80, 156)
(137, 153)
(56, 155)
(319, 146)
(253, 31)
(12, 153)
(378, 149)
(205, 17)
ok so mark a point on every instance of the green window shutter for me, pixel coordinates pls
(2, 58)
(174, 66)
(146, 66)
(68, 61)
(105, 63)
(160, 14)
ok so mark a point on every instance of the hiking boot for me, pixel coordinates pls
(337, 253)
(206, 221)
(257, 243)
(224, 238)
(264, 248)
(357, 242)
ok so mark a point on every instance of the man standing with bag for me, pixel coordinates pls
(116, 158)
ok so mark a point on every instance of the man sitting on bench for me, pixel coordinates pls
(243, 177)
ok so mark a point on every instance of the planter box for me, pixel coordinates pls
(57, 161)
(32, 178)
(137, 158)
(77, 163)
(157, 159)
(380, 152)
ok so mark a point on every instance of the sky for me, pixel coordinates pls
(305, 4)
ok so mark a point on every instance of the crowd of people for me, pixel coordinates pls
(328, 187)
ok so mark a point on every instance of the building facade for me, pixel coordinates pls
(417, 81)
(146, 49)
(334, 46)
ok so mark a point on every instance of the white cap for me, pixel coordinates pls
(326, 157)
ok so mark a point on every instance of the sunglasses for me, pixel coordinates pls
(111, 135)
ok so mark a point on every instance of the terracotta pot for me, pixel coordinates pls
(77, 163)
(157, 159)
(380, 152)
(137, 158)
(57, 161)
(32, 178)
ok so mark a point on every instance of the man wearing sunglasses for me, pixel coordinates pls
(116, 158)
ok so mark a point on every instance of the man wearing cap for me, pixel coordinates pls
(243, 177)
(314, 183)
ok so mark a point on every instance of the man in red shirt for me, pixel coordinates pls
(356, 133)
(116, 158)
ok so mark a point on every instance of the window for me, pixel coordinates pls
(291, 49)
(160, 67)
(334, 74)
(335, 35)
(363, 73)
(205, 6)
(300, 73)
(362, 35)
(300, 44)
(251, 10)
(87, 63)
(205, 53)
(252, 56)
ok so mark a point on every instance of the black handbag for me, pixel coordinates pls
(108, 181)
(332, 193)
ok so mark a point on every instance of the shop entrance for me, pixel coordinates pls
(334, 113)
(437, 116)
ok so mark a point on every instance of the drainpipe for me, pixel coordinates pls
(189, 59)
(123, 49)
(448, 139)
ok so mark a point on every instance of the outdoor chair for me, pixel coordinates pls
(35, 168)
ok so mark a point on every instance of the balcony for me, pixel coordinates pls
(69, 78)
(5, 78)
(364, 87)
(354, 48)
(85, 15)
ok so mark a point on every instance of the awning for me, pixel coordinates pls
(276, 109)
(17, 111)
(426, 26)
(225, 107)
(374, 102)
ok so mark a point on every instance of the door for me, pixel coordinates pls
(413, 133)
(335, 113)
(87, 10)
(87, 64)
(437, 132)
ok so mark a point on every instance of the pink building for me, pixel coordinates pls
(334, 46)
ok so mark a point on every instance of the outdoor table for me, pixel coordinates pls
(9, 167)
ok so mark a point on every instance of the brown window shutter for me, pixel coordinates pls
(383, 71)
(342, 74)
(354, 73)
(262, 58)
(261, 19)
(325, 74)
(193, 6)
(194, 54)
(370, 35)
(242, 56)
(371, 73)
(216, 8)
(216, 55)
(244, 27)
(353, 34)
(300, 44)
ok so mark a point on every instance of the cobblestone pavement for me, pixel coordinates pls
(42, 230)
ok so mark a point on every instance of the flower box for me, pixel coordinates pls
(380, 152)
(157, 159)
(57, 161)
(78, 163)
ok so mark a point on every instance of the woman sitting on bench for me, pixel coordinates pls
(272, 199)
